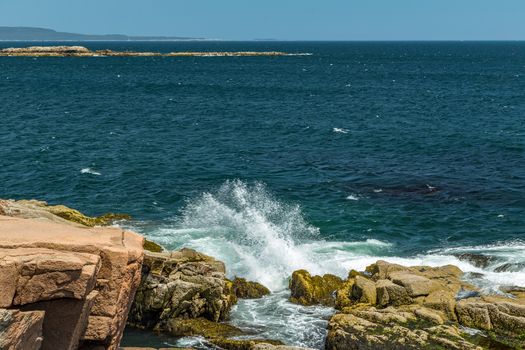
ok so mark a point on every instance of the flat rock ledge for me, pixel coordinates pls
(80, 51)
(63, 285)
(390, 306)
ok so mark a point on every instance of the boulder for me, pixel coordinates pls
(389, 293)
(415, 285)
(183, 284)
(364, 290)
(244, 289)
(82, 279)
(310, 290)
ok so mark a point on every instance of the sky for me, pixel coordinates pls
(277, 19)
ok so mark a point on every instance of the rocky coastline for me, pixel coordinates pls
(68, 282)
(81, 51)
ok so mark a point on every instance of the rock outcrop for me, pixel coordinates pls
(63, 285)
(244, 289)
(310, 290)
(40, 210)
(390, 306)
(186, 293)
(80, 51)
(179, 285)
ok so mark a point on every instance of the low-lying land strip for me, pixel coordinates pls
(81, 51)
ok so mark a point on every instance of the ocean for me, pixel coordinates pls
(411, 152)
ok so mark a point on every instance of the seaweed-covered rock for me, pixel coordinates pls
(349, 331)
(201, 326)
(249, 344)
(35, 209)
(151, 246)
(310, 290)
(244, 289)
(183, 284)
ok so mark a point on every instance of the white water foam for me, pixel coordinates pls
(340, 130)
(265, 240)
(89, 171)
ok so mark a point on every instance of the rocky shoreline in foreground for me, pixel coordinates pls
(68, 283)
(81, 51)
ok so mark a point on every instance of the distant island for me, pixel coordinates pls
(81, 51)
(43, 34)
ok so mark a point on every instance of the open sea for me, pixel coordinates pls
(413, 152)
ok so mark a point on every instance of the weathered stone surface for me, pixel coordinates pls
(309, 290)
(201, 326)
(415, 285)
(364, 290)
(52, 263)
(501, 315)
(417, 307)
(389, 293)
(21, 330)
(244, 289)
(348, 331)
(183, 284)
(44, 274)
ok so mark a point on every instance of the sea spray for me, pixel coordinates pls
(262, 233)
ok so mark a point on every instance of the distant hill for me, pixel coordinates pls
(43, 34)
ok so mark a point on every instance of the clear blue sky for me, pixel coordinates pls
(279, 19)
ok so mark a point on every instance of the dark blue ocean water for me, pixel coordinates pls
(406, 150)
(431, 140)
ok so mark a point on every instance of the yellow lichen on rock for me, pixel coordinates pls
(310, 290)
(247, 289)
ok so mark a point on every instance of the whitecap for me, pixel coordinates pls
(89, 171)
(352, 197)
(340, 130)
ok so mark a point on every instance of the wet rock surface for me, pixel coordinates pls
(186, 293)
(183, 284)
(310, 290)
(244, 289)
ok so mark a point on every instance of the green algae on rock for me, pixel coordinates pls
(36, 209)
(244, 289)
(396, 307)
(310, 290)
(152, 246)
